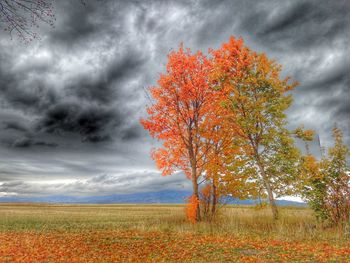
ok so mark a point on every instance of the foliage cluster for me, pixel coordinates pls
(326, 183)
(221, 120)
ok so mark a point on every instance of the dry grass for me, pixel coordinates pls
(295, 224)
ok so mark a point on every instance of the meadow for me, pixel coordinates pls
(161, 233)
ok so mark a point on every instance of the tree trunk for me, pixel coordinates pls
(214, 200)
(269, 191)
(195, 190)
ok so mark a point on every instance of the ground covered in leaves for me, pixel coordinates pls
(160, 233)
(156, 246)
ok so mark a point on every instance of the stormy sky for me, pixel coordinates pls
(71, 101)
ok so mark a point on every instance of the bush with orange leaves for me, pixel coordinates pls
(191, 209)
(207, 202)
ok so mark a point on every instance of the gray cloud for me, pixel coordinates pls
(27, 142)
(120, 183)
(71, 102)
(91, 123)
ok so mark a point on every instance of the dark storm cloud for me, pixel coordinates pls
(105, 88)
(87, 104)
(27, 142)
(298, 14)
(36, 98)
(132, 132)
(298, 24)
(21, 90)
(81, 23)
(71, 102)
(97, 111)
(12, 125)
(92, 123)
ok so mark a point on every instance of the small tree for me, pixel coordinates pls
(183, 103)
(206, 201)
(257, 98)
(326, 184)
(221, 177)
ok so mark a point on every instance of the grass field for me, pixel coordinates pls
(160, 233)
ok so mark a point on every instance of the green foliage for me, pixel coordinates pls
(315, 193)
(306, 135)
(257, 98)
(326, 184)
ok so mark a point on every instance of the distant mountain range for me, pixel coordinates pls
(161, 197)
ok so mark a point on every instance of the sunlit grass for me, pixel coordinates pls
(295, 223)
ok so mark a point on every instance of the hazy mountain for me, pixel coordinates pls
(165, 197)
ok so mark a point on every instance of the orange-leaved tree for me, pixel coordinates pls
(223, 175)
(182, 103)
(258, 98)
(218, 156)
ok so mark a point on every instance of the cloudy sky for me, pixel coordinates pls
(71, 102)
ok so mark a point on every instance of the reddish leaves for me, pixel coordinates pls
(191, 209)
(137, 246)
(181, 101)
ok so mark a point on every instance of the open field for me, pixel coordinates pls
(160, 233)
